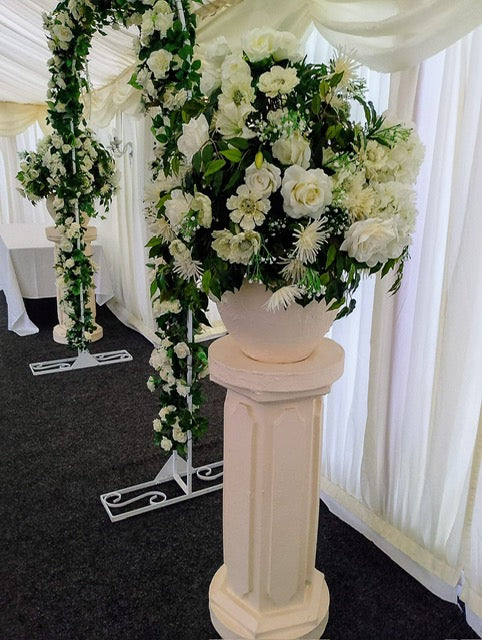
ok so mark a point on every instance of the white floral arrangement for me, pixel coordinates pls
(270, 180)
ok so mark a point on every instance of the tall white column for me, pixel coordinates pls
(268, 587)
(60, 330)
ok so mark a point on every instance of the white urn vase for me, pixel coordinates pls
(281, 336)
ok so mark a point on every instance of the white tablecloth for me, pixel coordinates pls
(26, 271)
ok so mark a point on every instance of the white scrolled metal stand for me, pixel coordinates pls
(84, 358)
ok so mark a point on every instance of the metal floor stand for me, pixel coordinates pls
(140, 498)
(83, 360)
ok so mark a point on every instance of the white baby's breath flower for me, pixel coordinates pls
(248, 208)
(309, 240)
(282, 298)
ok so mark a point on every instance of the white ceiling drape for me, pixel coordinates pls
(386, 35)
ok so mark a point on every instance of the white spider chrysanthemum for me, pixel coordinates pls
(282, 298)
(344, 63)
(187, 268)
(309, 240)
(293, 270)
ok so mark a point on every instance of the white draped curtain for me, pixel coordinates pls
(403, 434)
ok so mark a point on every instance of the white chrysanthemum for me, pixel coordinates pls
(248, 208)
(309, 240)
(293, 270)
(345, 64)
(186, 267)
(282, 298)
(278, 81)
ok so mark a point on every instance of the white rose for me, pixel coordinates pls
(263, 181)
(259, 43)
(158, 62)
(182, 389)
(63, 34)
(156, 423)
(166, 444)
(234, 69)
(202, 204)
(195, 133)
(306, 192)
(372, 241)
(177, 207)
(217, 50)
(181, 350)
(178, 434)
(293, 150)
(163, 22)
(287, 47)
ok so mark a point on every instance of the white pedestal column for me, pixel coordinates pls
(268, 587)
(60, 330)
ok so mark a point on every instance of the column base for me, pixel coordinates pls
(234, 619)
(60, 334)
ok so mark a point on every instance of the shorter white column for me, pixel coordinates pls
(268, 587)
(60, 330)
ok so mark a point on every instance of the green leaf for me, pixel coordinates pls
(239, 143)
(214, 166)
(206, 280)
(316, 104)
(153, 287)
(331, 255)
(233, 155)
(153, 242)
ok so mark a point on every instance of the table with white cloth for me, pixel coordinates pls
(26, 271)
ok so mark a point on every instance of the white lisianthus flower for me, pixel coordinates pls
(230, 120)
(294, 149)
(202, 204)
(181, 350)
(283, 297)
(248, 208)
(177, 207)
(306, 192)
(159, 62)
(194, 135)
(156, 423)
(166, 444)
(278, 81)
(222, 243)
(178, 434)
(265, 180)
(243, 246)
(372, 241)
(309, 240)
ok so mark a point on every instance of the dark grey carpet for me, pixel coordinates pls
(68, 573)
